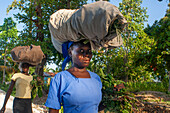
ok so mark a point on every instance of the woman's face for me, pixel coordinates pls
(81, 55)
(25, 68)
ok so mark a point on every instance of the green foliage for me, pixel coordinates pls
(121, 104)
(8, 35)
(147, 86)
(115, 101)
(158, 57)
(8, 38)
(37, 85)
(35, 16)
(128, 61)
(136, 42)
(123, 100)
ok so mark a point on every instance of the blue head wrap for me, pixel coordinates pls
(65, 47)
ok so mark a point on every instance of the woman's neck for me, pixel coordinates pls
(75, 69)
(79, 73)
(26, 73)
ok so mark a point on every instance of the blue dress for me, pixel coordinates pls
(77, 95)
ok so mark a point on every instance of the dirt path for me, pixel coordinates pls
(36, 108)
(153, 102)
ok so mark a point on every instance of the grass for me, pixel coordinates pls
(147, 86)
(167, 102)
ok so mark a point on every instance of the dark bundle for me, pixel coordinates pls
(28, 54)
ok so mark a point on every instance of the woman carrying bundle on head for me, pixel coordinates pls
(22, 101)
(77, 89)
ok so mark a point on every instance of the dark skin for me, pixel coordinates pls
(7, 96)
(51, 73)
(81, 56)
(25, 70)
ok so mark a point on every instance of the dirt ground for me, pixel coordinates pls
(39, 102)
(152, 102)
(37, 108)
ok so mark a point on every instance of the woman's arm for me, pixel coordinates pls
(53, 110)
(7, 96)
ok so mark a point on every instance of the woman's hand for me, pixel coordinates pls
(40, 81)
(51, 73)
(2, 109)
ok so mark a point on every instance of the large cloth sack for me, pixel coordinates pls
(96, 22)
(28, 54)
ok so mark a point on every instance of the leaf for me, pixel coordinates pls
(40, 91)
(33, 93)
(102, 74)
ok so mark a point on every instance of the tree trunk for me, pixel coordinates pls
(126, 57)
(169, 81)
(40, 36)
(68, 4)
(3, 80)
(39, 68)
(40, 25)
(126, 68)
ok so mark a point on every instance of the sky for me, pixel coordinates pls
(155, 9)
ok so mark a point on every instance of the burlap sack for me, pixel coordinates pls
(28, 54)
(100, 22)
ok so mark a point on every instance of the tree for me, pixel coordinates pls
(8, 37)
(35, 15)
(124, 62)
(159, 54)
(136, 42)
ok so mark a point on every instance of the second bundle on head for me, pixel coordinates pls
(32, 55)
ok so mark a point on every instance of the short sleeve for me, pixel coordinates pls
(14, 77)
(99, 81)
(97, 77)
(53, 99)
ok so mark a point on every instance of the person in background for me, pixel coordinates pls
(22, 101)
(77, 89)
